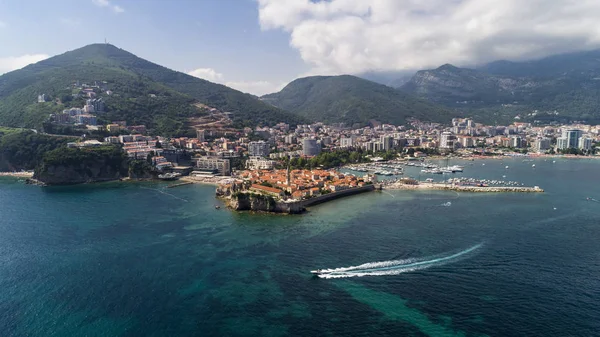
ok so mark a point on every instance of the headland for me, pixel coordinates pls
(289, 191)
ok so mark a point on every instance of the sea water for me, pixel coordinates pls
(136, 259)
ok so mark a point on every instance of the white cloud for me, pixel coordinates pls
(352, 36)
(17, 62)
(108, 4)
(3, 24)
(208, 74)
(258, 88)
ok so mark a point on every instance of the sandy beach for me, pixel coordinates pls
(215, 181)
(23, 174)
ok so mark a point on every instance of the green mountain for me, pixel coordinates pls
(557, 88)
(353, 100)
(144, 93)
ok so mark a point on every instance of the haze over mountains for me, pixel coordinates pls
(165, 100)
(567, 83)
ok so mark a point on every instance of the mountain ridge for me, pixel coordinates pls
(562, 87)
(137, 78)
(352, 100)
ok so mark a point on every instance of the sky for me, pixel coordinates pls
(258, 46)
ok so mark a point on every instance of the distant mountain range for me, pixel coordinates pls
(353, 100)
(144, 92)
(166, 100)
(567, 83)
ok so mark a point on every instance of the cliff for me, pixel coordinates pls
(142, 170)
(75, 166)
(252, 202)
(244, 201)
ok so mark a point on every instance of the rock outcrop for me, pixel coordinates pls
(252, 202)
(75, 166)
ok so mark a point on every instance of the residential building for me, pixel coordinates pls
(447, 141)
(259, 163)
(542, 144)
(113, 127)
(96, 103)
(290, 139)
(112, 140)
(585, 143)
(267, 190)
(215, 164)
(387, 143)
(200, 134)
(310, 147)
(562, 143)
(85, 119)
(569, 139)
(88, 109)
(466, 141)
(516, 142)
(347, 142)
(258, 149)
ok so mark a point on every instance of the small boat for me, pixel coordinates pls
(533, 165)
(506, 167)
(217, 207)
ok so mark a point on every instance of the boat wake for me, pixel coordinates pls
(592, 199)
(165, 193)
(394, 267)
(447, 204)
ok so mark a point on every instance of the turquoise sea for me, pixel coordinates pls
(136, 259)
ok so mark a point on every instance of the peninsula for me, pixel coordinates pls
(289, 191)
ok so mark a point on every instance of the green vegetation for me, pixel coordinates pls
(331, 159)
(24, 150)
(497, 92)
(428, 151)
(144, 92)
(6, 130)
(82, 165)
(577, 152)
(353, 100)
(114, 156)
(141, 169)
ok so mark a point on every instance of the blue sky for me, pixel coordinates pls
(258, 46)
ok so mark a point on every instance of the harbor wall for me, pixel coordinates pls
(459, 188)
(336, 195)
(261, 203)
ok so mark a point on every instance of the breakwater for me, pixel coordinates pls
(463, 188)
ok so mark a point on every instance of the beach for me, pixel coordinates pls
(22, 174)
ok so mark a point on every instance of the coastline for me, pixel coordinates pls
(22, 174)
(214, 181)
